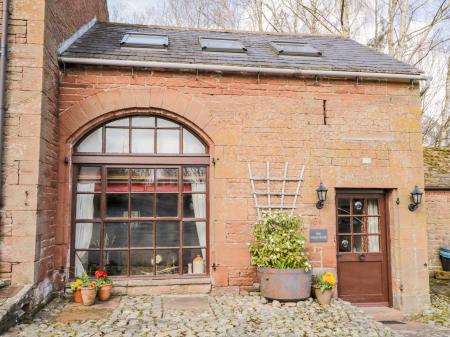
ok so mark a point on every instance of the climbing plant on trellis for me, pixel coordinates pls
(271, 192)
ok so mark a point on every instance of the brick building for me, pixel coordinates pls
(437, 188)
(141, 165)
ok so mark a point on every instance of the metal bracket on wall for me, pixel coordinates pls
(267, 192)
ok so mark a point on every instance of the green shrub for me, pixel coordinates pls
(279, 242)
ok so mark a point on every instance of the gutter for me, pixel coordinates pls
(3, 64)
(229, 68)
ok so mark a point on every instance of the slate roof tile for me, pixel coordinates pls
(103, 41)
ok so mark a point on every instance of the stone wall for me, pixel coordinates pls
(438, 225)
(349, 134)
(28, 210)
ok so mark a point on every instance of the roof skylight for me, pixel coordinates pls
(295, 48)
(140, 40)
(222, 45)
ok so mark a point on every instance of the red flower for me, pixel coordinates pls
(101, 274)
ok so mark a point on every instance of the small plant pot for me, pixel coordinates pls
(88, 295)
(324, 298)
(104, 292)
(77, 296)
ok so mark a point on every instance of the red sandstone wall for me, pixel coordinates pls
(274, 119)
(28, 215)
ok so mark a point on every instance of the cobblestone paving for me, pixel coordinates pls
(224, 316)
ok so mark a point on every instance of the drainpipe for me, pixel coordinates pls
(3, 64)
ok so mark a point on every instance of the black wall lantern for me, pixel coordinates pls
(321, 195)
(416, 197)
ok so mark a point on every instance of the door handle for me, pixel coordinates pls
(362, 257)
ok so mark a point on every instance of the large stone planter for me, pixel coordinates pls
(285, 284)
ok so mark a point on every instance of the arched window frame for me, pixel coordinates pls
(107, 160)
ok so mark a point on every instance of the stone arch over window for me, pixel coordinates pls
(188, 169)
(84, 115)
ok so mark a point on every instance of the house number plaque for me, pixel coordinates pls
(318, 235)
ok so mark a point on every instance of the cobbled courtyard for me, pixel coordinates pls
(206, 316)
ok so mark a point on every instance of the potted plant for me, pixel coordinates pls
(75, 286)
(323, 285)
(88, 290)
(104, 285)
(279, 254)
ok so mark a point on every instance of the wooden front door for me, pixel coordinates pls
(362, 259)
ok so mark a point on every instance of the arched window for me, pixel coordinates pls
(140, 199)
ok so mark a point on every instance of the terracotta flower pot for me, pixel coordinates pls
(104, 293)
(88, 295)
(323, 297)
(77, 296)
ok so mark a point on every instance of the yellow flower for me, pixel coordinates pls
(329, 278)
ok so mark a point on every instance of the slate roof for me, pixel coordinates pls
(339, 54)
(437, 167)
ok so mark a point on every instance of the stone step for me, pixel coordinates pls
(136, 287)
(383, 313)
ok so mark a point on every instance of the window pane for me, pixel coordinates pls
(88, 206)
(89, 173)
(167, 180)
(142, 180)
(359, 225)
(191, 144)
(358, 206)
(143, 121)
(117, 205)
(89, 179)
(142, 205)
(92, 143)
(116, 262)
(373, 225)
(117, 180)
(116, 235)
(141, 234)
(167, 261)
(372, 207)
(165, 123)
(87, 235)
(143, 141)
(194, 233)
(86, 262)
(194, 206)
(117, 140)
(120, 122)
(188, 259)
(168, 141)
(344, 224)
(359, 244)
(167, 234)
(141, 262)
(344, 206)
(166, 204)
(194, 179)
(344, 243)
(374, 244)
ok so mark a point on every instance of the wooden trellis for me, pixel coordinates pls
(269, 194)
